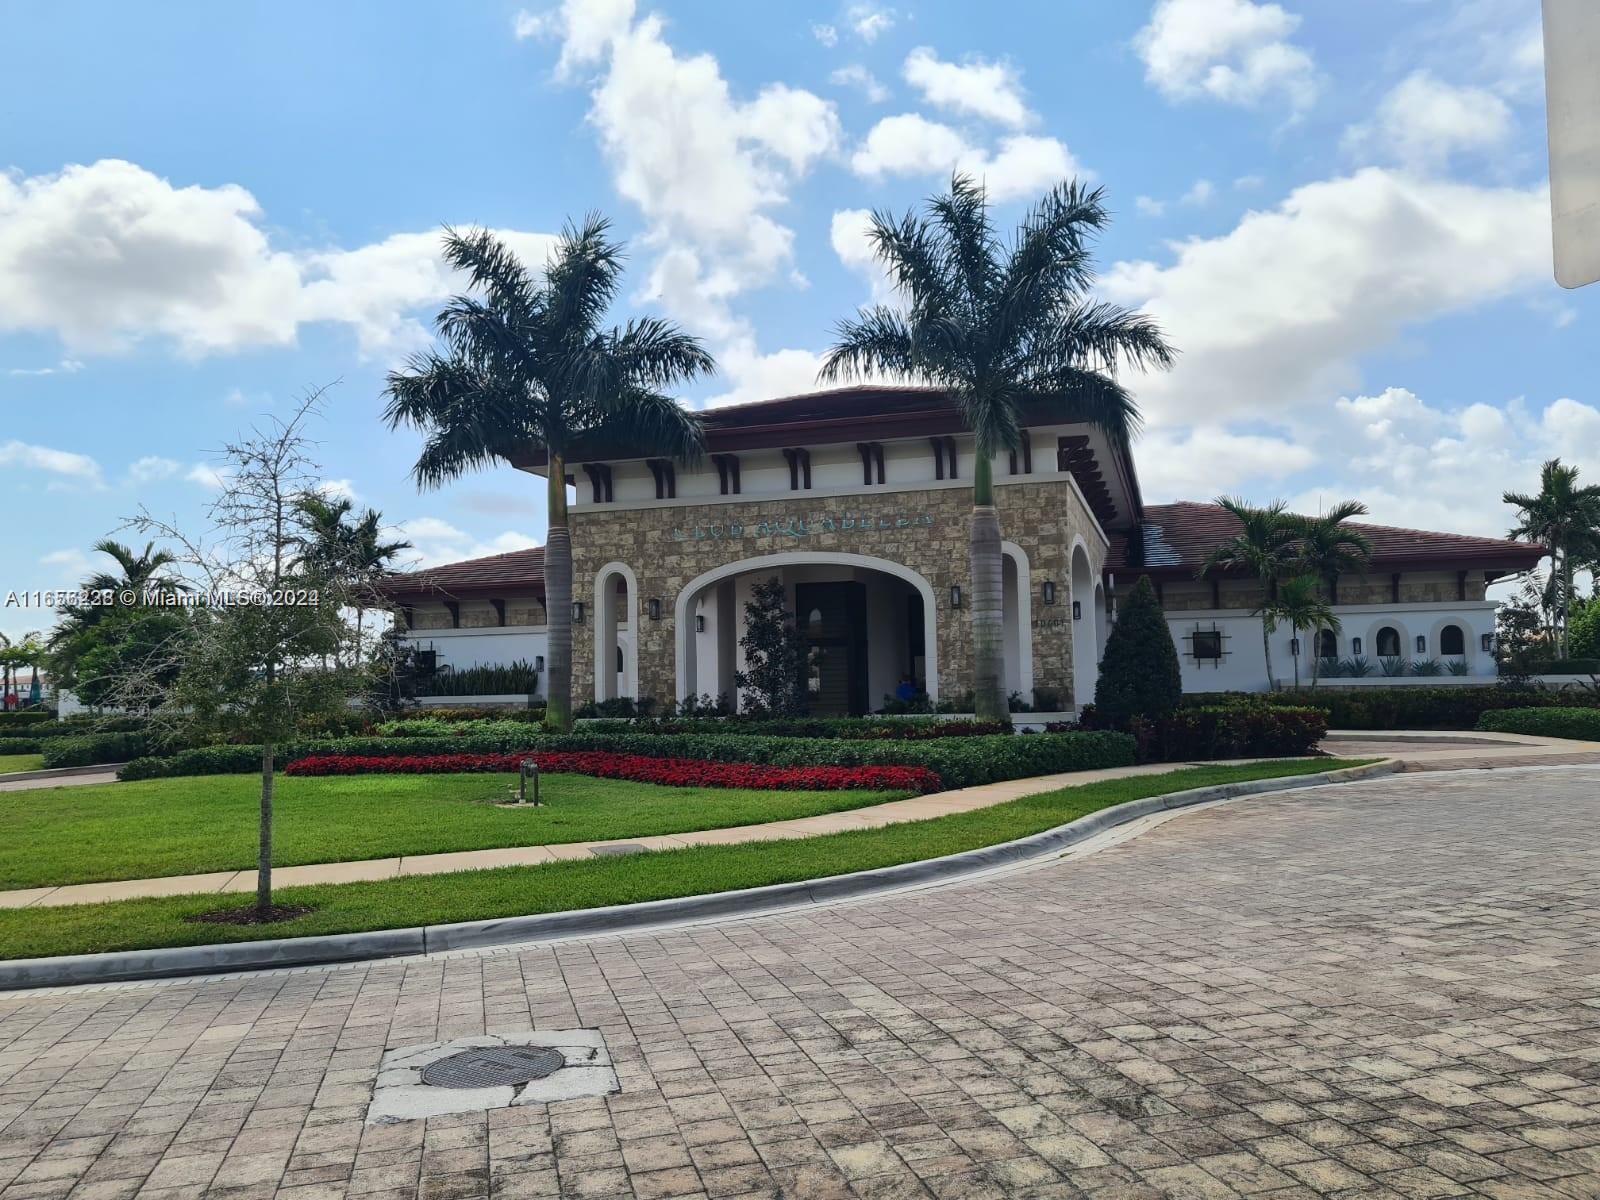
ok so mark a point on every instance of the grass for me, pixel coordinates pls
(564, 886)
(21, 762)
(194, 824)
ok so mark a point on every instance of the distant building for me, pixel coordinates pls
(858, 500)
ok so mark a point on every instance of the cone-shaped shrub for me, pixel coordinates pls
(1139, 675)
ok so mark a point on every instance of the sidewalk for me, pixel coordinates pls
(1417, 751)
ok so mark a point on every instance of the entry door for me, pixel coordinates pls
(833, 617)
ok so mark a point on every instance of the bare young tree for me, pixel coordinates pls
(265, 644)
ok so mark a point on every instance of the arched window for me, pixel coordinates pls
(1388, 642)
(1327, 644)
(1452, 641)
(621, 665)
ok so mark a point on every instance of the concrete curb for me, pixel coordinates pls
(334, 948)
(61, 772)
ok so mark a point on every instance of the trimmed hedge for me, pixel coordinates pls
(872, 729)
(960, 762)
(1263, 731)
(1581, 724)
(1402, 707)
(15, 721)
(90, 749)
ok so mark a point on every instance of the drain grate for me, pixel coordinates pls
(493, 1066)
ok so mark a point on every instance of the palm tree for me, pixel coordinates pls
(1328, 549)
(1564, 518)
(1302, 605)
(1263, 547)
(999, 327)
(141, 572)
(354, 552)
(525, 366)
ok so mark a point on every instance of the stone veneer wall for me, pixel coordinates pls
(1431, 587)
(924, 530)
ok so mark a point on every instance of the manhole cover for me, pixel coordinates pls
(493, 1066)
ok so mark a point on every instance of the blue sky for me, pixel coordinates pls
(1337, 210)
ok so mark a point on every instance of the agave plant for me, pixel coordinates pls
(1331, 667)
(1395, 666)
(1356, 667)
(1427, 666)
(1457, 666)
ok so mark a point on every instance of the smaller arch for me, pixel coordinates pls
(1024, 615)
(1452, 641)
(606, 619)
(1386, 643)
(1327, 644)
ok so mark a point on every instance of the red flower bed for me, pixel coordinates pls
(671, 772)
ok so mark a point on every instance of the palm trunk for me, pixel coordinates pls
(1296, 658)
(988, 633)
(264, 855)
(558, 604)
(1316, 657)
(1566, 599)
(1266, 638)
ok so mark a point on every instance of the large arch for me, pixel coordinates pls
(1018, 615)
(608, 641)
(1085, 627)
(683, 624)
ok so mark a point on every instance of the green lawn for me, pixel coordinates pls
(21, 762)
(559, 887)
(203, 823)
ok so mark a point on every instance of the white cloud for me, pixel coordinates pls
(976, 88)
(870, 21)
(856, 76)
(847, 234)
(828, 35)
(911, 144)
(1235, 51)
(67, 464)
(109, 254)
(1196, 463)
(436, 541)
(67, 366)
(1149, 206)
(153, 468)
(1276, 313)
(208, 476)
(338, 489)
(1025, 166)
(1423, 122)
(1201, 194)
(72, 563)
(752, 375)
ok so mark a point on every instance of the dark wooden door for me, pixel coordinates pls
(833, 617)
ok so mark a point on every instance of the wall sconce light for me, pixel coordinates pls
(1077, 610)
(699, 622)
(955, 595)
(653, 607)
(1355, 647)
(1049, 592)
(538, 662)
(1294, 647)
(1422, 643)
(577, 612)
(1487, 642)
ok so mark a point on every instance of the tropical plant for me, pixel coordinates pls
(1427, 666)
(1302, 606)
(1357, 666)
(1394, 665)
(1263, 547)
(1330, 548)
(1003, 329)
(778, 659)
(1519, 637)
(1457, 666)
(1564, 518)
(1139, 673)
(1329, 667)
(352, 550)
(525, 368)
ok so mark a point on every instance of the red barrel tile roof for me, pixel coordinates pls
(520, 572)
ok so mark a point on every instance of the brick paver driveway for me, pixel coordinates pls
(1388, 989)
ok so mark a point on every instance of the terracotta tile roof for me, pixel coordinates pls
(519, 572)
(1176, 538)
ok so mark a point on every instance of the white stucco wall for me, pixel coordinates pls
(493, 647)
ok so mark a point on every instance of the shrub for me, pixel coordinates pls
(18, 721)
(93, 748)
(959, 762)
(1582, 724)
(849, 728)
(1567, 666)
(73, 727)
(1139, 675)
(669, 772)
(1264, 731)
(20, 745)
(1583, 632)
(1419, 707)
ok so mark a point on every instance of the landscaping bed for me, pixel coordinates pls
(1580, 724)
(97, 832)
(566, 886)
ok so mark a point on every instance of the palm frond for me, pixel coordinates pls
(582, 278)
(877, 342)
(490, 265)
(644, 418)
(970, 247)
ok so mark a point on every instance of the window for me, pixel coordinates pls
(1452, 641)
(1388, 642)
(1327, 644)
(1207, 645)
(621, 665)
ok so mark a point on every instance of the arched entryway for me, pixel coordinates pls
(874, 620)
(1085, 628)
(616, 605)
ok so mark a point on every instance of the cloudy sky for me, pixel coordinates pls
(1338, 211)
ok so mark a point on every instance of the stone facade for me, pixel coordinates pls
(923, 529)
(1416, 587)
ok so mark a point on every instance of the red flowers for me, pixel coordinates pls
(606, 764)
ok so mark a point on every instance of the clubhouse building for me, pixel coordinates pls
(858, 500)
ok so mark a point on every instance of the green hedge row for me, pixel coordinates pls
(16, 721)
(93, 748)
(1256, 731)
(959, 762)
(1401, 707)
(1582, 724)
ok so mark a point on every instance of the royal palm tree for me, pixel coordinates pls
(524, 365)
(1330, 548)
(1263, 547)
(353, 551)
(1302, 605)
(1564, 518)
(999, 327)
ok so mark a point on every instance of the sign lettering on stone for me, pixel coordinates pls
(796, 528)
